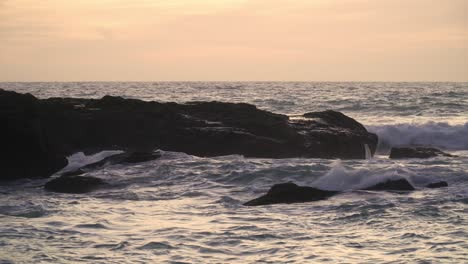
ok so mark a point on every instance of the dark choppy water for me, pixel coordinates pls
(186, 209)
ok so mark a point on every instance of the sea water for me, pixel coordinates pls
(187, 209)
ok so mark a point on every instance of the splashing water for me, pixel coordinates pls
(368, 152)
(187, 209)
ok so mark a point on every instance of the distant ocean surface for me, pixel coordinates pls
(187, 209)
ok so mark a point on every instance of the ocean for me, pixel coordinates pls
(187, 209)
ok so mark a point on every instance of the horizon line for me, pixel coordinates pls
(231, 81)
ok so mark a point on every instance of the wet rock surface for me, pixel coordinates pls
(290, 193)
(416, 152)
(392, 185)
(74, 184)
(39, 134)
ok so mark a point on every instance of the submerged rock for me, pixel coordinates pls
(416, 152)
(439, 184)
(290, 193)
(137, 157)
(392, 185)
(74, 184)
(40, 134)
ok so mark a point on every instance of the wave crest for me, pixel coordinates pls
(437, 134)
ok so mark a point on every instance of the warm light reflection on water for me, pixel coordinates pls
(185, 209)
(188, 209)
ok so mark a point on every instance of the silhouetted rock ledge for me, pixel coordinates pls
(287, 193)
(39, 133)
(416, 152)
(74, 184)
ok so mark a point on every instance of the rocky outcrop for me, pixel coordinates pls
(24, 148)
(331, 134)
(439, 184)
(74, 184)
(39, 134)
(416, 152)
(290, 193)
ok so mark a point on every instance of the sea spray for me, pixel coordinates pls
(337, 179)
(79, 159)
(437, 134)
(367, 151)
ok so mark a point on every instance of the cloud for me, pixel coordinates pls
(206, 39)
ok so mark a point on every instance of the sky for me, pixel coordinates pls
(234, 40)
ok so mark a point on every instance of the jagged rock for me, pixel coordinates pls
(74, 184)
(331, 134)
(439, 184)
(416, 152)
(392, 185)
(290, 193)
(39, 134)
(24, 144)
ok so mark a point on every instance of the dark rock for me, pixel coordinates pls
(439, 184)
(39, 134)
(290, 193)
(331, 134)
(25, 150)
(74, 184)
(392, 185)
(337, 119)
(137, 157)
(416, 152)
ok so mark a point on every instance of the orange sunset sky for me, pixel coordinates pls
(234, 40)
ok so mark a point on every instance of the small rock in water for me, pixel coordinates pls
(392, 185)
(136, 157)
(290, 193)
(439, 184)
(416, 152)
(74, 184)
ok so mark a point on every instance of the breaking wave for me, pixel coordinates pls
(437, 134)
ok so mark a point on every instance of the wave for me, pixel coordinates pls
(437, 134)
(340, 178)
(79, 159)
(24, 209)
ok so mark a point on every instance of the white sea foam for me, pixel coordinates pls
(437, 134)
(340, 178)
(79, 159)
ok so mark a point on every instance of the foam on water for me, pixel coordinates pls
(182, 208)
(79, 159)
(438, 134)
(339, 178)
(187, 209)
